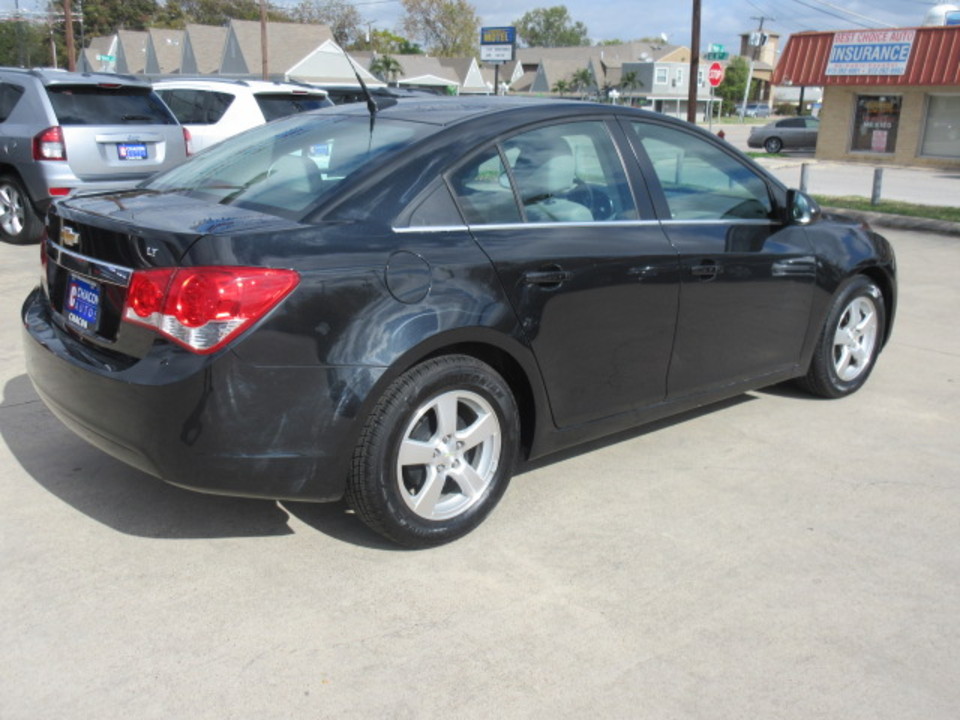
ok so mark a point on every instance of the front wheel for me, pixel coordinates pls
(773, 145)
(436, 453)
(849, 342)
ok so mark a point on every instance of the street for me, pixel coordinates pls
(774, 556)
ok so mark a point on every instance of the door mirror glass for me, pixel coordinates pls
(803, 209)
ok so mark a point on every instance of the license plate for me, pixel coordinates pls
(82, 305)
(132, 151)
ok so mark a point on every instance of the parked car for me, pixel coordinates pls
(213, 109)
(398, 306)
(794, 133)
(64, 131)
(758, 110)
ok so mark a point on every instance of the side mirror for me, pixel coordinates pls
(801, 208)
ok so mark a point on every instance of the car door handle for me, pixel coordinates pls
(545, 277)
(706, 270)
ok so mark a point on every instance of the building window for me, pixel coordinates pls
(662, 76)
(941, 132)
(876, 122)
(699, 78)
(679, 82)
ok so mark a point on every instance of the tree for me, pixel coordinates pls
(447, 28)
(581, 80)
(105, 17)
(24, 44)
(386, 68)
(561, 87)
(629, 82)
(341, 17)
(551, 27)
(730, 91)
(177, 13)
(386, 43)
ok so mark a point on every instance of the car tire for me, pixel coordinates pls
(436, 453)
(849, 342)
(19, 223)
(773, 145)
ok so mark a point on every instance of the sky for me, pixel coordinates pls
(722, 21)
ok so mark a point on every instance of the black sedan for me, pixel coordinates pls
(398, 306)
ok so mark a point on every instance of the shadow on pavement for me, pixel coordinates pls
(114, 494)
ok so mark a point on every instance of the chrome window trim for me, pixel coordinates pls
(542, 225)
(88, 266)
(719, 221)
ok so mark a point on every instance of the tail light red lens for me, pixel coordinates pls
(188, 142)
(49, 145)
(204, 308)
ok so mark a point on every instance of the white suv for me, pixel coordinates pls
(213, 109)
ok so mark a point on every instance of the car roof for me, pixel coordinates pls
(54, 76)
(254, 85)
(454, 110)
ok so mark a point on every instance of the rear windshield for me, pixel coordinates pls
(196, 107)
(278, 105)
(92, 105)
(289, 166)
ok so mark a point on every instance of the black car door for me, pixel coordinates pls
(746, 277)
(594, 286)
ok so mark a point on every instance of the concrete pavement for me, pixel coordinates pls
(772, 557)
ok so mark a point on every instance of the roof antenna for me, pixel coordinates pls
(372, 105)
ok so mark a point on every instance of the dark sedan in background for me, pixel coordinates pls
(398, 306)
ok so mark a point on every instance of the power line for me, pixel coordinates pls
(835, 15)
(851, 12)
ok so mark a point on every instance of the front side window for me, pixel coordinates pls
(699, 180)
(94, 105)
(941, 131)
(286, 167)
(559, 173)
(876, 123)
(196, 107)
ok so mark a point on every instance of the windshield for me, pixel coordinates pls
(286, 167)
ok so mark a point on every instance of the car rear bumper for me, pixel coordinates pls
(213, 424)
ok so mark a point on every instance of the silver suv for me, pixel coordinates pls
(63, 131)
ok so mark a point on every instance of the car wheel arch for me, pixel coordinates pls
(508, 357)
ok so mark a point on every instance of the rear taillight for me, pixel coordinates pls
(49, 145)
(203, 308)
(188, 142)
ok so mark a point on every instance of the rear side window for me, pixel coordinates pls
(285, 168)
(196, 107)
(278, 105)
(9, 96)
(93, 105)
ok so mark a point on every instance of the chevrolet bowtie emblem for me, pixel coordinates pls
(69, 237)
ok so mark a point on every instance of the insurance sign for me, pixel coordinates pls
(870, 52)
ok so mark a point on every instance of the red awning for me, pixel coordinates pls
(934, 60)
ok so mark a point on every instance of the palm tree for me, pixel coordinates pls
(386, 68)
(629, 82)
(561, 86)
(581, 80)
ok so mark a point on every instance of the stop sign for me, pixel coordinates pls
(715, 74)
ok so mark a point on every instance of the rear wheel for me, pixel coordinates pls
(19, 224)
(436, 453)
(849, 342)
(773, 145)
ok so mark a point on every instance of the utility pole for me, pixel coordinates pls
(68, 27)
(753, 58)
(694, 63)
(263, 40)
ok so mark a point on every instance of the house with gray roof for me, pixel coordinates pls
(202, 49)
(164, 51)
